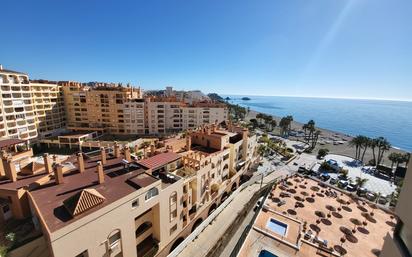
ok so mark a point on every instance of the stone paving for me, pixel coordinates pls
(373, 184)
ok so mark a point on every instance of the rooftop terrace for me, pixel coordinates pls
(304, 218)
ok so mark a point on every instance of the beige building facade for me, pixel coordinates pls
(400, 243)
(29, 109)
(135, 207)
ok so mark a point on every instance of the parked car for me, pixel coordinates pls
(362, 191)
(333, 181)
(351, 187)
(302, 169)
(325, 176)
(343, 183)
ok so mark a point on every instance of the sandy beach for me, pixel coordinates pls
(326, 140)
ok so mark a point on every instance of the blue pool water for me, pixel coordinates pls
(265, 253)
(373, 118)
(277, 227)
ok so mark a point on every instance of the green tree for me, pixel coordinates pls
(383, 146)
(360, 182)
(357, 143)
(322, 152)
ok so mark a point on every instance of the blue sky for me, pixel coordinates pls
(338, 48)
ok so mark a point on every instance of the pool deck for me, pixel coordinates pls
(366, 241)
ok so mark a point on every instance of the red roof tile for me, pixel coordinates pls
(159, 160)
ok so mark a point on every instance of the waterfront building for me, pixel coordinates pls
(131, 206)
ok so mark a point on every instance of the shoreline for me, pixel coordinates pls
(327, 138)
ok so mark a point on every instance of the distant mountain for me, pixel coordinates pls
(215, 97)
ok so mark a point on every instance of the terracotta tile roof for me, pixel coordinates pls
(159, 160)
(82, 201)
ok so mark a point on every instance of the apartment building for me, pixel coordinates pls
(49, 109)
(100, 107)
(400, 243)
(29, 109)
(136, 207)
(167, 114)
(17, 110)
(123, 110)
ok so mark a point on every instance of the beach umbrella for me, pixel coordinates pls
(320, 214)
(330, 208)
(345, 230)
(298, 198)
(314, 188)
(341, 202)
(355, 222)
(374, 207)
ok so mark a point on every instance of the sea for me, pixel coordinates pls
(373, 118)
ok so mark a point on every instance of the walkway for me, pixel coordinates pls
(212, 233)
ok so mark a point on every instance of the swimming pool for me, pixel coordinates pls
(265, 253)
(277, 227)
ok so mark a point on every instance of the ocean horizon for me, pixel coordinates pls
(369, 117)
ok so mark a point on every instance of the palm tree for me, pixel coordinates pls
(315, 138)
(383, 146)
(360, 182)
(259, 117)
(393, 157)
(373, 145)
(365, 143)
(273, 124)
(357, 143)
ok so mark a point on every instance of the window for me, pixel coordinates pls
(135, 203)
(115, 238)
(173, 229)
(151, 193)
(143, 228)
(173, 205)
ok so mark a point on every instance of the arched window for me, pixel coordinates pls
(173, 198)
(173, 205)
(143, 228)
(114, 238)
(151, 193)
(225, 167)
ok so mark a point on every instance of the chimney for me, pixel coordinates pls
(80, 162)
(188, 142)
(9, 168)
(152, 150)
(55, 158)
(116, 149)
(58, 174)
(100, 172)
(245, 134)
(103, 155)
(127, 153)
(208, 130)
(213, 127)
(47, 163)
